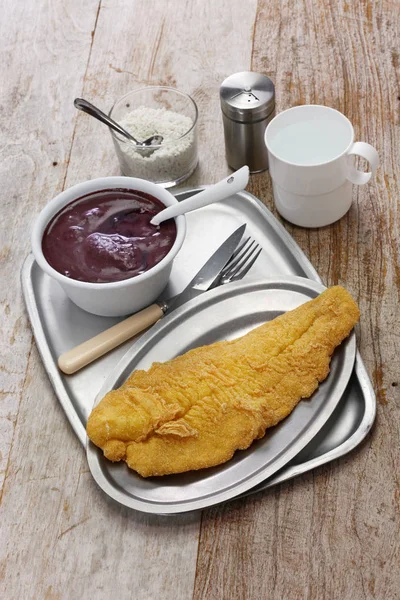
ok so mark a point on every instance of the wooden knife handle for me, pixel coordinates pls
(88, 351)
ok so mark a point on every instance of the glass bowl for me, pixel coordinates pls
(157, 110)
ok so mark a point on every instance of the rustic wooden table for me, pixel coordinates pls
(330, 534)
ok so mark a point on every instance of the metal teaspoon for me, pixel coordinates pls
(90, 109)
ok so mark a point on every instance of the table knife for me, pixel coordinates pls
(75, 359)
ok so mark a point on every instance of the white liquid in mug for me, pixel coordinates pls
(311, 142)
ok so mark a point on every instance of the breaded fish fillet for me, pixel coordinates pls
(196, 410)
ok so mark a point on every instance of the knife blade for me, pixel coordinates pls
(204, 278)
(75, 359)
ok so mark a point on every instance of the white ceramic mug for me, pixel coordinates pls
(310, 149)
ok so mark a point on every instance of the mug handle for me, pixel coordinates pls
(371, 155)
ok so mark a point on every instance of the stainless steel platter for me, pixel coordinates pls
(59, 325)
(222, 314)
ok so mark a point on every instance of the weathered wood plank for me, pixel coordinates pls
(332, 534)
(44, 55)
(192, 48)
(79, 543)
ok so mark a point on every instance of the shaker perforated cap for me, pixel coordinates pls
(247, 97)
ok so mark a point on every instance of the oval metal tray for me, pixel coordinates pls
(224, 313)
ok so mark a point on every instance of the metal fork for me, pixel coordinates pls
(240, 262)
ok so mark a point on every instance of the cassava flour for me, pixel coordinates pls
(176, 158)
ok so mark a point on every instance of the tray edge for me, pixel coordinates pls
(43, 349)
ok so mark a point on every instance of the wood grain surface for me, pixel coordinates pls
(331, 534)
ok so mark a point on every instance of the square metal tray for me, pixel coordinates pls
(59, 325)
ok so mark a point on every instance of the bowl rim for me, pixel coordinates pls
(78, 190)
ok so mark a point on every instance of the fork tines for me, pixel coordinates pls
(242, 260)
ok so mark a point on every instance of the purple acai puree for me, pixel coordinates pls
(106, 236)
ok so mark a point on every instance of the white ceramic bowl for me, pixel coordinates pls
(118, 298)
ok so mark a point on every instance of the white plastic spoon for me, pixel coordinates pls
(221, 190)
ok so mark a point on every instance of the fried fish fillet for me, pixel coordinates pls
(196, 410)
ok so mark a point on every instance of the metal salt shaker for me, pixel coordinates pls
(248, 105)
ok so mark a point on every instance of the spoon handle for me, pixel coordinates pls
(236, 182)
(95, 112)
